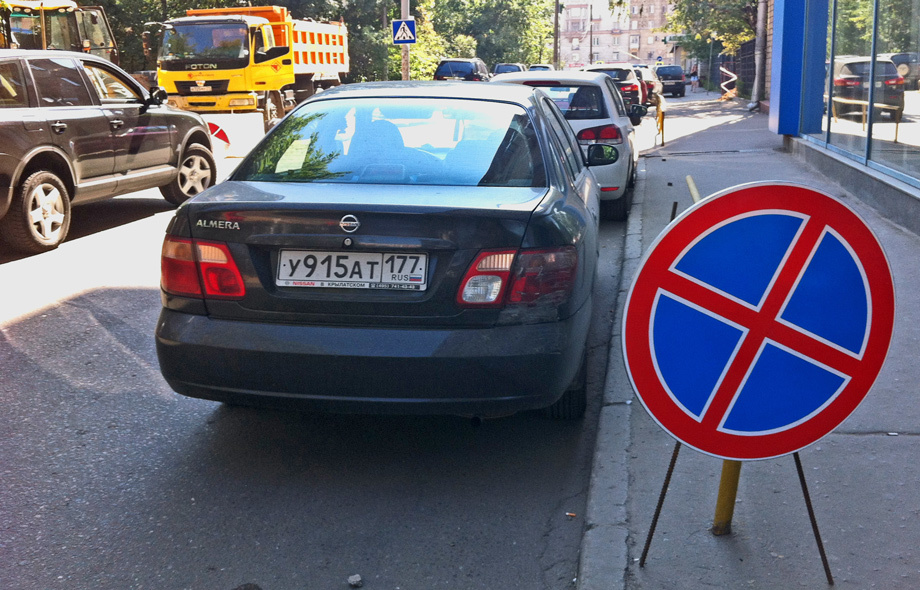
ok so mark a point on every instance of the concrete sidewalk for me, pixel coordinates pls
(862, 478)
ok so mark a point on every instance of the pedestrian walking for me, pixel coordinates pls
(694, 79)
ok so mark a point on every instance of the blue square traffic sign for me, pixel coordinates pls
(404, 31)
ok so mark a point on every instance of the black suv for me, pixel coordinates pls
(673, 81)
(76, 128)
(456, 68)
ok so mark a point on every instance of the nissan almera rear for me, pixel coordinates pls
(391, 248)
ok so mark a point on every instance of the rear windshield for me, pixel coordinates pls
(454, 68)
(401, 141)
(502, 68)
(577, 102)
(861, 68)
(618, 74)
(669, 71)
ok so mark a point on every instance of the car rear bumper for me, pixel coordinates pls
(474, 372)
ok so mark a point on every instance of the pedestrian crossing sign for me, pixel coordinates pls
(404, 31)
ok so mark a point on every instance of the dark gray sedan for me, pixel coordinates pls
(392, 248)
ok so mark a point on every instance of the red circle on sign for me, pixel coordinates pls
(759, 324)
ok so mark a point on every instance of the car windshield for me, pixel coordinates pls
(577, 102)
(669, 71)
(502, 68)
(401, 141)
(213, 41)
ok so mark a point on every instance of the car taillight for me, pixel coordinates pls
(683, 78)
(845, 82)
(527, 277)
(604, 134)
(629, 88)
(899, 81)
(200, 269)
(486, 280)
(544, 276)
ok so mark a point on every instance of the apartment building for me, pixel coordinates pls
(589, 32)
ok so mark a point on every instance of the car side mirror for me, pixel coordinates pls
(156, 97)
(263, 55)
(601, 154)
(636, 112)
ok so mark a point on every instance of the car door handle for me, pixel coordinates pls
(59, 126)
(116, 123)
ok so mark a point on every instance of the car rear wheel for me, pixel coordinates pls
(574, 402)
(196, 173)
(39, 217)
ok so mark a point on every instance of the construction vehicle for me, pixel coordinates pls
(56, 24)
(244, 59)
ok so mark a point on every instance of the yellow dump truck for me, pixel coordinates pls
(229, 60)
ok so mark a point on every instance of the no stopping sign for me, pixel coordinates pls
(758, 321)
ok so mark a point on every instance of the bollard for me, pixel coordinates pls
(725, 504)
(661, 122)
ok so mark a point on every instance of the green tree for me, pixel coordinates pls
(728, 23)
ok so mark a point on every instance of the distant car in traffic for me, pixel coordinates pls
(626, 79)
(908, 65)
(392, 248)
(541, 67)
(851, 83)
(673, 80)
(76, 128)
(504, 68)
(460, 68)
(653, 86)
(591, 103)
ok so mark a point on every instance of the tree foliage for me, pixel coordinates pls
(728, 23)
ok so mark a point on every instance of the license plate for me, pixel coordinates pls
(200, 88)
(353, 270)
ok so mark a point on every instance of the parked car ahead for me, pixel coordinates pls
(76, 128)
(908, 65)
(591, 103)
(470, 69)
(673, 80)
(851, 83)
(392, 247)
(626, 79)
(653, 86)
(505, 68)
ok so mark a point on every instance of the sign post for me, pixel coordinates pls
(758, 321)
(404, 34)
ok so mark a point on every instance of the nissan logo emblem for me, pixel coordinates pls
(350, 224)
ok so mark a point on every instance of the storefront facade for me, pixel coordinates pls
(844, 78)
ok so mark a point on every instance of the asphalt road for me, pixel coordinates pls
(112, 481)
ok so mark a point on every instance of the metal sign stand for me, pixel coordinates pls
(722, 522)
(808, 504)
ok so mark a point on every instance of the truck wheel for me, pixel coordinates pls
(39, 217)
(196, 172)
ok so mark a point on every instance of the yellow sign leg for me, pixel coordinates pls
(725, 504)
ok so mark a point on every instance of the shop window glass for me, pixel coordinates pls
(896, 116)
(849, 75)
